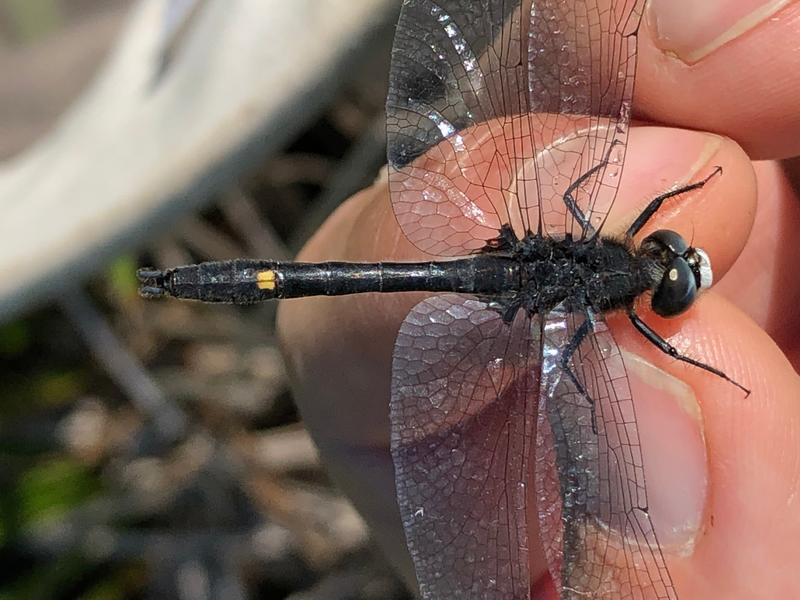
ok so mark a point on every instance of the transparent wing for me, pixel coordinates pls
(592, 502)
(497, 107)
(464, 393)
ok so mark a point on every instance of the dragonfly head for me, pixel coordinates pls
(684, 272)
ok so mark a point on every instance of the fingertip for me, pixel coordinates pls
(717, 218)
(740, 79)
(750, 522)
(753, 460)
(763, 281)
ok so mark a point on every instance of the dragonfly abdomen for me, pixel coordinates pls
(245, 281)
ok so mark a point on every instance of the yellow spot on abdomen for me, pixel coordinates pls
(266, 280)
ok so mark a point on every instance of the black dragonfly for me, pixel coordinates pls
(507, 124)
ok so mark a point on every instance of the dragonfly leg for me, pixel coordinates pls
(506, 240)
(569, 200)
(667, 348)
(656, 202)
(506, 307)
(566, 367)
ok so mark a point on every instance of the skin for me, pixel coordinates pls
(339, 349)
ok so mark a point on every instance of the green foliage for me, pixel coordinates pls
(122, 276)
(32, 19)
(15, 338)
(19, 394)
(52, 487)
(58, 387)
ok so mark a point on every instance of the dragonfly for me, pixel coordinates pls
(507, 125)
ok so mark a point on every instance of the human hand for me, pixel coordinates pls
(741, 500)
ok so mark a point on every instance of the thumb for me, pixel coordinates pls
(722, 469)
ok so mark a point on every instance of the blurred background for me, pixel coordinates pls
(152, 449)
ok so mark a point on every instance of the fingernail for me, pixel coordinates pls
(673, 452)
(692, 29)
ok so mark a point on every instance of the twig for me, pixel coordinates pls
(122, 366)
(261, 237)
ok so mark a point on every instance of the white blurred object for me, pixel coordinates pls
(193, 93)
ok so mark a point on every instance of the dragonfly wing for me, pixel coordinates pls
(464, 393)
(496, 107)
(592, 499)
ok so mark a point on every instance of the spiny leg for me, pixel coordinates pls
(572, 204)
(566, 367)
(656, 202)
(663, 345)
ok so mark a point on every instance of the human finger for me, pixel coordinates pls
(722, 468)
(728, 66)
(763, 281)
(339, 349)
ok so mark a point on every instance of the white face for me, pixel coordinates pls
(706, 273)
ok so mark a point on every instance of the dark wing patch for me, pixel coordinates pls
(496, 107)
(592, 501)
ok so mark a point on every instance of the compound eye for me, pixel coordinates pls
(677, 290)
(664, 238)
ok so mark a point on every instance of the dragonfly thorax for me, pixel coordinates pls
(600, 273)
(604, 273)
